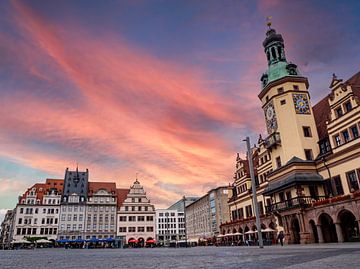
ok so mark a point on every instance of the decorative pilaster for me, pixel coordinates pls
(339, 233)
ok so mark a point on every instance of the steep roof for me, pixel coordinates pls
(354, 82)
(96, 186)
(52, 183)
(321, 114)
(121, 196)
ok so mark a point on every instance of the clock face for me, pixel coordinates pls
(301, 103)
(270, 113)
(271, 121)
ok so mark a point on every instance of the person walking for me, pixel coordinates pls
(281, 238)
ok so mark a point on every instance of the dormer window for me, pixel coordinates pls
(348, 106)
(339, 112)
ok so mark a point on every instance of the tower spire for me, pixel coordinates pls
(268, 21)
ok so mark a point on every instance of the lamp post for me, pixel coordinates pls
(253, 187)
(332, 185)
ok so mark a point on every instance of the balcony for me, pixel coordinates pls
(273, 140)
(297, 202)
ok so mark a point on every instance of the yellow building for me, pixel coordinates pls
(307, 169)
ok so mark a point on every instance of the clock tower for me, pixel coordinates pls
(286, 102)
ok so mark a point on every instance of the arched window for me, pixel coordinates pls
(279, 52)
(273, 53)
(268, 55)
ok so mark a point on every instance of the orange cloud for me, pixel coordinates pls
(131, 112)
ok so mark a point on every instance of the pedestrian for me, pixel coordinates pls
(281, 238)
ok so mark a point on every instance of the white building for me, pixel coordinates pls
(170, 225)
(101, 210)
(37, 213)
(136, 217)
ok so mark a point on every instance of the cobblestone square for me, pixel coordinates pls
(300, 256)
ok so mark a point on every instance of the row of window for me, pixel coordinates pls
(43, 221)
(170, 225)
(101, 208)
(346, 135)
(71, 217)
(133, 218)
(346, 107)
(100, 227)
(136, 208)
(72, 208)
(133, 229)
(264, 159)
(101, 218)
(167, 214)
(74, 227)
(102, 199)
(31, 210)
(33, 231)
(171, 232)
(239, 213)
(171, 220)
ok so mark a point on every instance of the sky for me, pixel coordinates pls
(165, 89)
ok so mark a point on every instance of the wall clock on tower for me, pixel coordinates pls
(301, 103)
(270, 116)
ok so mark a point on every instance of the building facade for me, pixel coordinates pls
(307, 168)
(136, 217)
(170, 225)
(101, 208)
(73, 205)
(37, 212)
(205, 215)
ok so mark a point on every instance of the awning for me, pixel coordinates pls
(133, 241)
(22, 241)
(43, 241)
(238, 233)
(150, 241)
(251, 232)
(292, 180)
(268, 230)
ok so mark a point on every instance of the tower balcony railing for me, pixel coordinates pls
(272, 140)
(297, 202)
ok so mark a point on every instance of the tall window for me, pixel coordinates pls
(348, 106)
(339, 112)
(337, 140)
(308, 154)
(354, 132)
(278, 162)
(338, 185)
(352, 181)
(346, 135)
(307, 131)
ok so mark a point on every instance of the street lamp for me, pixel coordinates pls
(253, 187)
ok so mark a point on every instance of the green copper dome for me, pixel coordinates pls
(278, 66)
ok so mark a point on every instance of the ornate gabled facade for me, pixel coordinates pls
(37, 213)
(136, 217)
(307, 168)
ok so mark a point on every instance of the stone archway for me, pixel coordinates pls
(313, 232)
(295, 231)
(328, 229)
(349, 226)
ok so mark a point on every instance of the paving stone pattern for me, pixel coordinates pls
(290, 257)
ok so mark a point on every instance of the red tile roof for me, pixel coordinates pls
(121, 196)
(322, 115)
(57, 184)
(96, 186)
(354, 82)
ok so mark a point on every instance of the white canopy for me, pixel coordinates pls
(237, 233)
(21, 241)
(268, 230)
(43, 241)
(221, 235)
(251, 232)
(229, 234)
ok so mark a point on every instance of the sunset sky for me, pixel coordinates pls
(167, 89)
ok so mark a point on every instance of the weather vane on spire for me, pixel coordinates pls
(268, 21)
